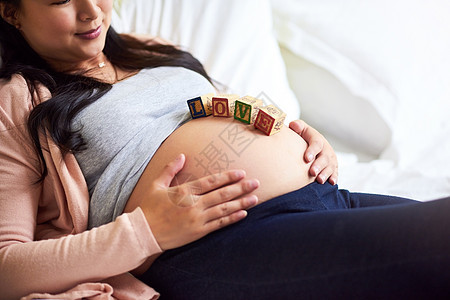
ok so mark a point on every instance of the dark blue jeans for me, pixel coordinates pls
(317, 243)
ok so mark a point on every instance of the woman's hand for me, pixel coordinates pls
(182, 214)
(325, 165)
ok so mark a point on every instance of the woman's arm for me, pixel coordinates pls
(52, 265)
(325, 165)
(60, 264)
(57, 264)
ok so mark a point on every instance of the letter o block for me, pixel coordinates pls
(270, 119)
(223, 105)
(220, 107)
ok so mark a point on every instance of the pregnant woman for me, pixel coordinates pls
(93, 186)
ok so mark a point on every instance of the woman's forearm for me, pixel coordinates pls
(59, 264)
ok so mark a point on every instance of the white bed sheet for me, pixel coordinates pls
(373, 76)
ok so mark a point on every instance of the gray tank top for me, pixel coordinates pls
(124, 128)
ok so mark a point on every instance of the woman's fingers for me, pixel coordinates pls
(170, 170)
(189, 193)
(219, 208)
(298, 126)
(334, 177)
(315, 144)
(320, 163)
(324, 175)
(229, 192)
(209, 183)
(325, 169)
(314, 148)
(229, 208)
(314, 139)
(224, 221)
(228, 213)
(319, 152)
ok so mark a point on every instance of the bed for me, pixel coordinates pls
(373, 77)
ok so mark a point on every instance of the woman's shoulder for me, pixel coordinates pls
(15, 85)
(16, 100)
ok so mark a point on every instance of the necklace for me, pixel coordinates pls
(116, 77)
(108, 72)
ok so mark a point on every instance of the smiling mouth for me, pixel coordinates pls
(91, 34)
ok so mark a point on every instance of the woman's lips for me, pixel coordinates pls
(91, 34)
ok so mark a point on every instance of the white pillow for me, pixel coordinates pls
(349, 122)
(392, 56)
(234, 40)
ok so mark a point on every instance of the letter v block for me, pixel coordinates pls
(200, 106)
(246, 109)
(270, 119)
(223, 105)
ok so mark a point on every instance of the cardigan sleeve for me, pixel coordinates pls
(68, 258)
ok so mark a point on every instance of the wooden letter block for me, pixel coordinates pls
(223, 105)
(246, 109)
(200, 106)
(207, 103)
(270, 119)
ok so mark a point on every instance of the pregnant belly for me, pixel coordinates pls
(216, 144)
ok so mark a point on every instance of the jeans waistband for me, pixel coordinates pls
(312, 197)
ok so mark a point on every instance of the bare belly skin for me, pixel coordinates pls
(216, 144)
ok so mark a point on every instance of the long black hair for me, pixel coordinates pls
(71, 93)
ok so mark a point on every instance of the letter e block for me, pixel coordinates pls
(246, 109)
(223, 105)
(270, 119)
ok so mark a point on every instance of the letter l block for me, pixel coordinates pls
(200, 106)
(196, 108)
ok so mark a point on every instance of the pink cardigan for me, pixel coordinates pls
(44, 245)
